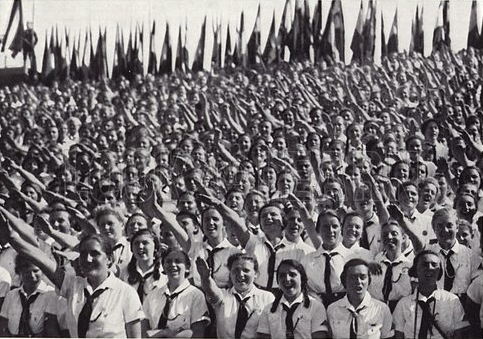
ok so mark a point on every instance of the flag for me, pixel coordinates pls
(317, 30)
(166, 60)
(48, 66)
(179, 63)
(200, 50)
(295, 37)
(393, 41)
(383, 38)
(228, 50)
(473, 34)
(238, 53)
(253, 46)
(84, 69)
(15, 43)
(271, 53)
(74, 59)
(102, 56)
(152, 62)
(440, 31)
(333, 37)
(284, 42)
(417, 33)
(216, 52)
(446, 25)
(118, 64)
(369, 33)
(307, 37)
(357, 38)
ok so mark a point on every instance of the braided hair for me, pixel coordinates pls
(303, 279)
(133, 274)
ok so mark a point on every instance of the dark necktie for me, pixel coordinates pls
(387, 287)
(119, 257)
(289, 326)
(24, 329)
(271, 262)
(354, 323)
(211, 258)
(425, 319)
(364, 241)
(449, 273)
(242, 316)
(327, 271)
(86, 312)
(142, 280)
(163, 320)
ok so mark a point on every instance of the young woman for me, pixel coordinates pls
(429, 309)
(24, 310)
(358, 315)
(293, 314)
(178, 309)
(143, 271)
(240, 306)
(393, 282)
(98, 304)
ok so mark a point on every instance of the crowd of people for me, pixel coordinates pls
(296, 201)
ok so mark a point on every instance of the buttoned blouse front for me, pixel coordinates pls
(465, 263)
(374, 318)
(221, 273)
(259, 247)
(314, 264)
(446, 309)
(12, 308)
(401, 281)
(186, 309)
(118, 305)
(305, 320)
(227, 311)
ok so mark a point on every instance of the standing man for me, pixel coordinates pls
(29, 41)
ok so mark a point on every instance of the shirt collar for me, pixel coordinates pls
(143, 274)
(338, 249)
(401, 258)
(42, 288)
(436, 295)
(184, 285)
(365, 303)
(455, 248)
(251, 293)
(108, 283)
(224, 244)
(299, 299)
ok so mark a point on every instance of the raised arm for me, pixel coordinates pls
(213, 293)
(307, 220)
(33, 253)
(238, 225)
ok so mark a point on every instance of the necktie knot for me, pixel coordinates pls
(86, 312)
(354, 323)
(447, 255)
(241, 300)
(289, 325)
(117, 246)
(24, 324)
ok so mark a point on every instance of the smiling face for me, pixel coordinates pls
(408, 198)
(94, 262)
(110, 227)
(352, 230)
(30, 276)
(294, 227)
(135, 224)
(445, 228)
(143, 248)
(242, 275)
(289, 281)
(212, 224)
(427, 195)
(285, 183)
(271, 222)
(175, 266)
(392, 238)
(428, 268)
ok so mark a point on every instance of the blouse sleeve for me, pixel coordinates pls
(199, 309)
(132, 308)
(319, 320)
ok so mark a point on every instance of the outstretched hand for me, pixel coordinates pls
(395, 212)
(202, 268)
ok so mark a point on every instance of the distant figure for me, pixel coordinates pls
(30, 39)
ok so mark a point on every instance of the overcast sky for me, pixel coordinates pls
(77, 15)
